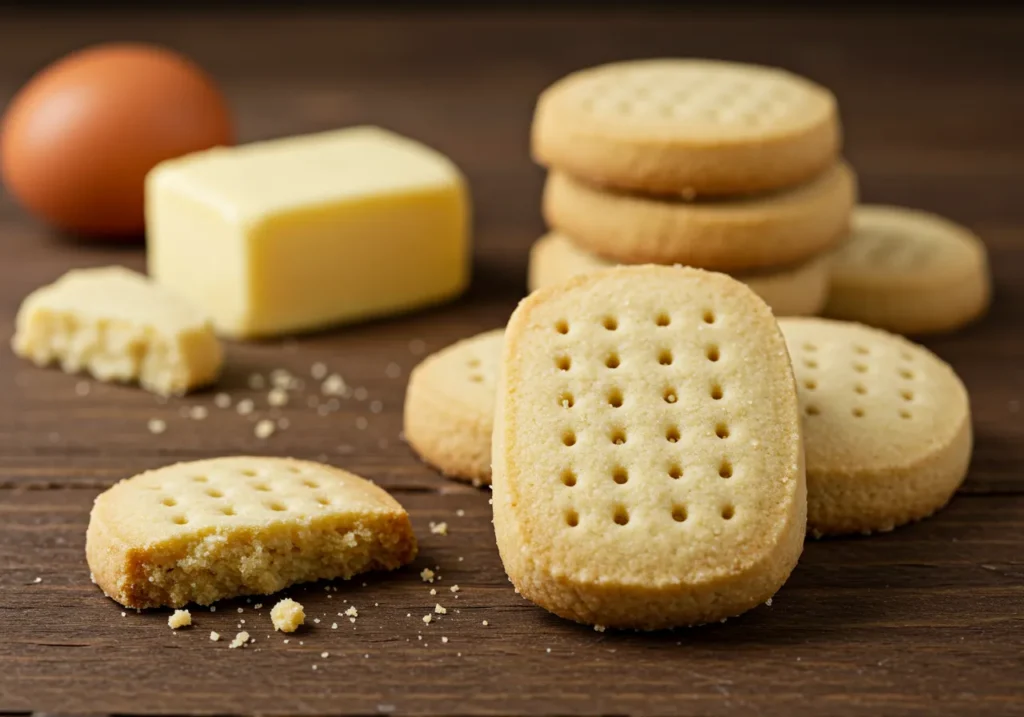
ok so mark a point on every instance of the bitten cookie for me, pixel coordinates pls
(449, 407)
(648, 467)
(798, 290)
(887, 426)
(687, 127)
(733, 236)
(213, 529)
(910, 272)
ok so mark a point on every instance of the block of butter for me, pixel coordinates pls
(119, 326)
(302, 233)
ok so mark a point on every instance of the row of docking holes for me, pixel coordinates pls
(859, 388)
(611, 323)
(620, 515)
(276, 506)
(620, 474)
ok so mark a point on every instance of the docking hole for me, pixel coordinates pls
(665, 357)
(568, 478)
(725, 469)
(621, 516)
(566, 400)
(610, 323)
(716, 392)
(722, 430)
(612, 361)
(678, 513)
(675, 472)
(663, 320)
(615, 398)
(569, 438)
(728, 512)
(712, 353)
(572, 518)
(620, 475)
(563, 363)
(672, 435)
(562, 326)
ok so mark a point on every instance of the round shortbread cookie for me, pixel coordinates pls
(799, 290)
(687, 127)
(733, 235)
(647, 451)
(909, 271)
(887, 426)
(449, 407)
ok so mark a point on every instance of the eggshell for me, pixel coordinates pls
(77, 140)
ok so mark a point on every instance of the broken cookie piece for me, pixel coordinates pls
(214, 529)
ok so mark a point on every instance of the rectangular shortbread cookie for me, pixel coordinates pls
(647, 456)
(213, 529)
(119, 326)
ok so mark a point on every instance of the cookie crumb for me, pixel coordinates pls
(440, 609)
(454, 588)
(444, 640)
(333, 385)
(427, 618)
(599, 628)
(460, 512)
(179, 618)
(156, 426)
(325, 654)
(124, 614)
(427, 575)
(222, 400)
(245, 407)
(277, 397)
(198, 413)
(214, 636)
(768, 602)
(485, 623)
(352, 612)
(240, 640)
(264, 429)
(334, 626)
(433, 591)
(287, 615)
(438, 528)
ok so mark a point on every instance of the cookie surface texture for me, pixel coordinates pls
(887, 426)
(732, 236)
(909, 271)
(647, 452)
(449, 407)
(213, 529)
(799, 290)
(687, 127)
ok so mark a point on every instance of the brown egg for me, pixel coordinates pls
(78, 139)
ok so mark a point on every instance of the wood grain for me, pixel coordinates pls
(926, 620)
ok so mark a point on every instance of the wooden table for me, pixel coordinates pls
(926, 620)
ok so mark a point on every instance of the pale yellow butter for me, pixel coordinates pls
(301, 233)
(119, 326)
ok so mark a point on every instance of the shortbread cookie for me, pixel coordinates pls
(687, 127)
(119, 326)
(798, 290)
(736, 235)
(909, 271)
(648, 466)
(213, 529)
(887, 426)
(449, 407)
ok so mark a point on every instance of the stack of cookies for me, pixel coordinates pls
(716, 165)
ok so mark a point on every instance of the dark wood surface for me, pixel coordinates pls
(926, 620)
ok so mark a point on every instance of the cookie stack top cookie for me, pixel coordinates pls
(687, 127)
